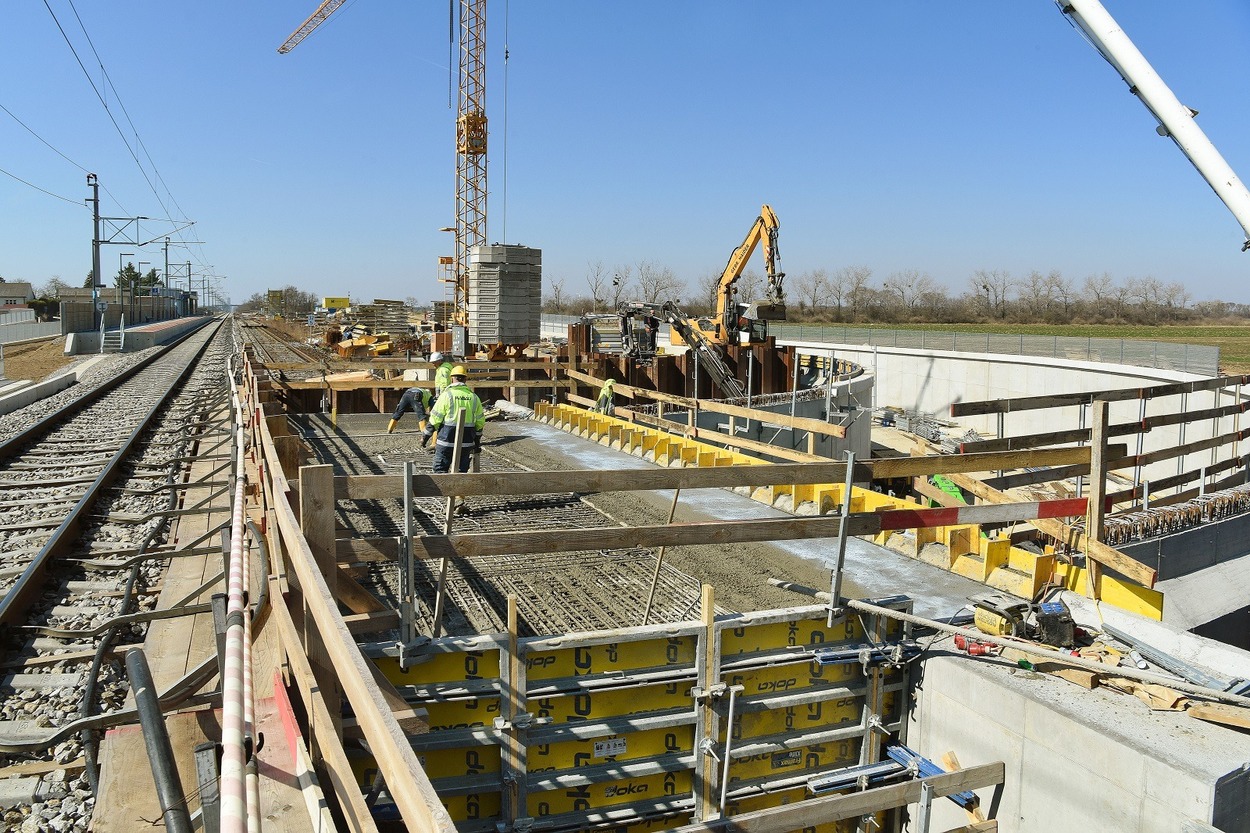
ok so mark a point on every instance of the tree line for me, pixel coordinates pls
(855, 295)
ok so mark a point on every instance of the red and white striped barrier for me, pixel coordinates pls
(994, 513)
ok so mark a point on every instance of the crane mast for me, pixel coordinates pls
(470, 148)
(1176, 121)
(470, 137)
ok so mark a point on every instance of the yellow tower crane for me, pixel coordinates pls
(470, 136)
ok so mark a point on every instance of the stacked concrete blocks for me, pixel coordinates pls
(505, 294)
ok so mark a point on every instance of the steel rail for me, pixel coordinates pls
(29, 585)
(12, 446)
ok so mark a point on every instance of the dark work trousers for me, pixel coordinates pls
(443, 450)
(410, 401)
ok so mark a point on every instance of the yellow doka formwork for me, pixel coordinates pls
(992, 562)
(614, 720)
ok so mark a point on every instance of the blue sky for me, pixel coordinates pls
(940, 137)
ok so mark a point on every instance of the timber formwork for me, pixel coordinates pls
(695, 723)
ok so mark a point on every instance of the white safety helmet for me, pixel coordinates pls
(436, 356)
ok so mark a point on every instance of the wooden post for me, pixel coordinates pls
(316, 498)
(1097, 489)
(513, 705)
(705, 765)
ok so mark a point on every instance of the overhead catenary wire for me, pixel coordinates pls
(41, 190)
(120, 132)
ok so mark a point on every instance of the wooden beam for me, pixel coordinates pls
(407, 782)
(1029, 403)
(825, 809)
(400, 384)
(815, 426)
(517, 542)
(1107, 556)
(371, 487)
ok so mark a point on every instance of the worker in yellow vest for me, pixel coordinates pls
(417, 400)
(442, 376)
(456, 398)
(604, 405)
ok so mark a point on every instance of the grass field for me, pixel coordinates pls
(1234, 342)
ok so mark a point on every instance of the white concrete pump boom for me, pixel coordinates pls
(1175, 119)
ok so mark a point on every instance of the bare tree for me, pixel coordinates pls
(1098, 291)
(1176, 296)
(597, 281)
(555, 294)
(812, 287)
(622, 278)
(52, 289)
(750, 287)
(909, 285)
(1035, 293)
(857, 278)
(1062, 291)
(705, 293)
(658, 283)
(995, 284)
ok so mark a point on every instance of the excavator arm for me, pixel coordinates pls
(763, 231)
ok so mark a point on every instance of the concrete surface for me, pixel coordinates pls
(871, 571)
(1076, 759)
(28, 393)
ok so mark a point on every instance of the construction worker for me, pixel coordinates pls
(442, 376)
(604, 405)
(456, 398)
(417, 400)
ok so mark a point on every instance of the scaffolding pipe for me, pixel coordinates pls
(156, 740)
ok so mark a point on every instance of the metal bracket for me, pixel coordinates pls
(525, 720)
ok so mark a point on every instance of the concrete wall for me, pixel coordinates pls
(930, 381)
(23, 330)
(32, 393)
(1077, 760)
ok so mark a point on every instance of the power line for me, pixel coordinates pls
(45, 141)
(41, 190)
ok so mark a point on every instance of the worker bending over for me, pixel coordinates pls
(417, 400)
(456, 398)
(442, 376)
(604, 405)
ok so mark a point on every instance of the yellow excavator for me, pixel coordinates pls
(745, 323)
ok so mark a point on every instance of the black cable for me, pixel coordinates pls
(41, 190)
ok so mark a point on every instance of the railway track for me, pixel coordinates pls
(87, 496)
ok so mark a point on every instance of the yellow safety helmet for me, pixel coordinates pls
(459, 370)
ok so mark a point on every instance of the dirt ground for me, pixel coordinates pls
(35, 361)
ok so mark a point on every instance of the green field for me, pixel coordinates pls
(1234, 342)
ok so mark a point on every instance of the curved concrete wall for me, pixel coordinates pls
(930, 381)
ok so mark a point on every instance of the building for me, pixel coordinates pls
(16, 294)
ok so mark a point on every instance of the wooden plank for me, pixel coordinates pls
(826, 809)
(784, 420)
(372, 487)
(1222, 713)
(352, 801)
(989, 826)
(355, 597)
(1095, 526)
(410, 787)
(1179, 450)
(399, 384)
(517, 542)
(712, 435)
(316, 496)
(1108, 556)
(1163, 483)
(381, 620)
(1024, 441)
(1194, 416)
(1029, 403)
